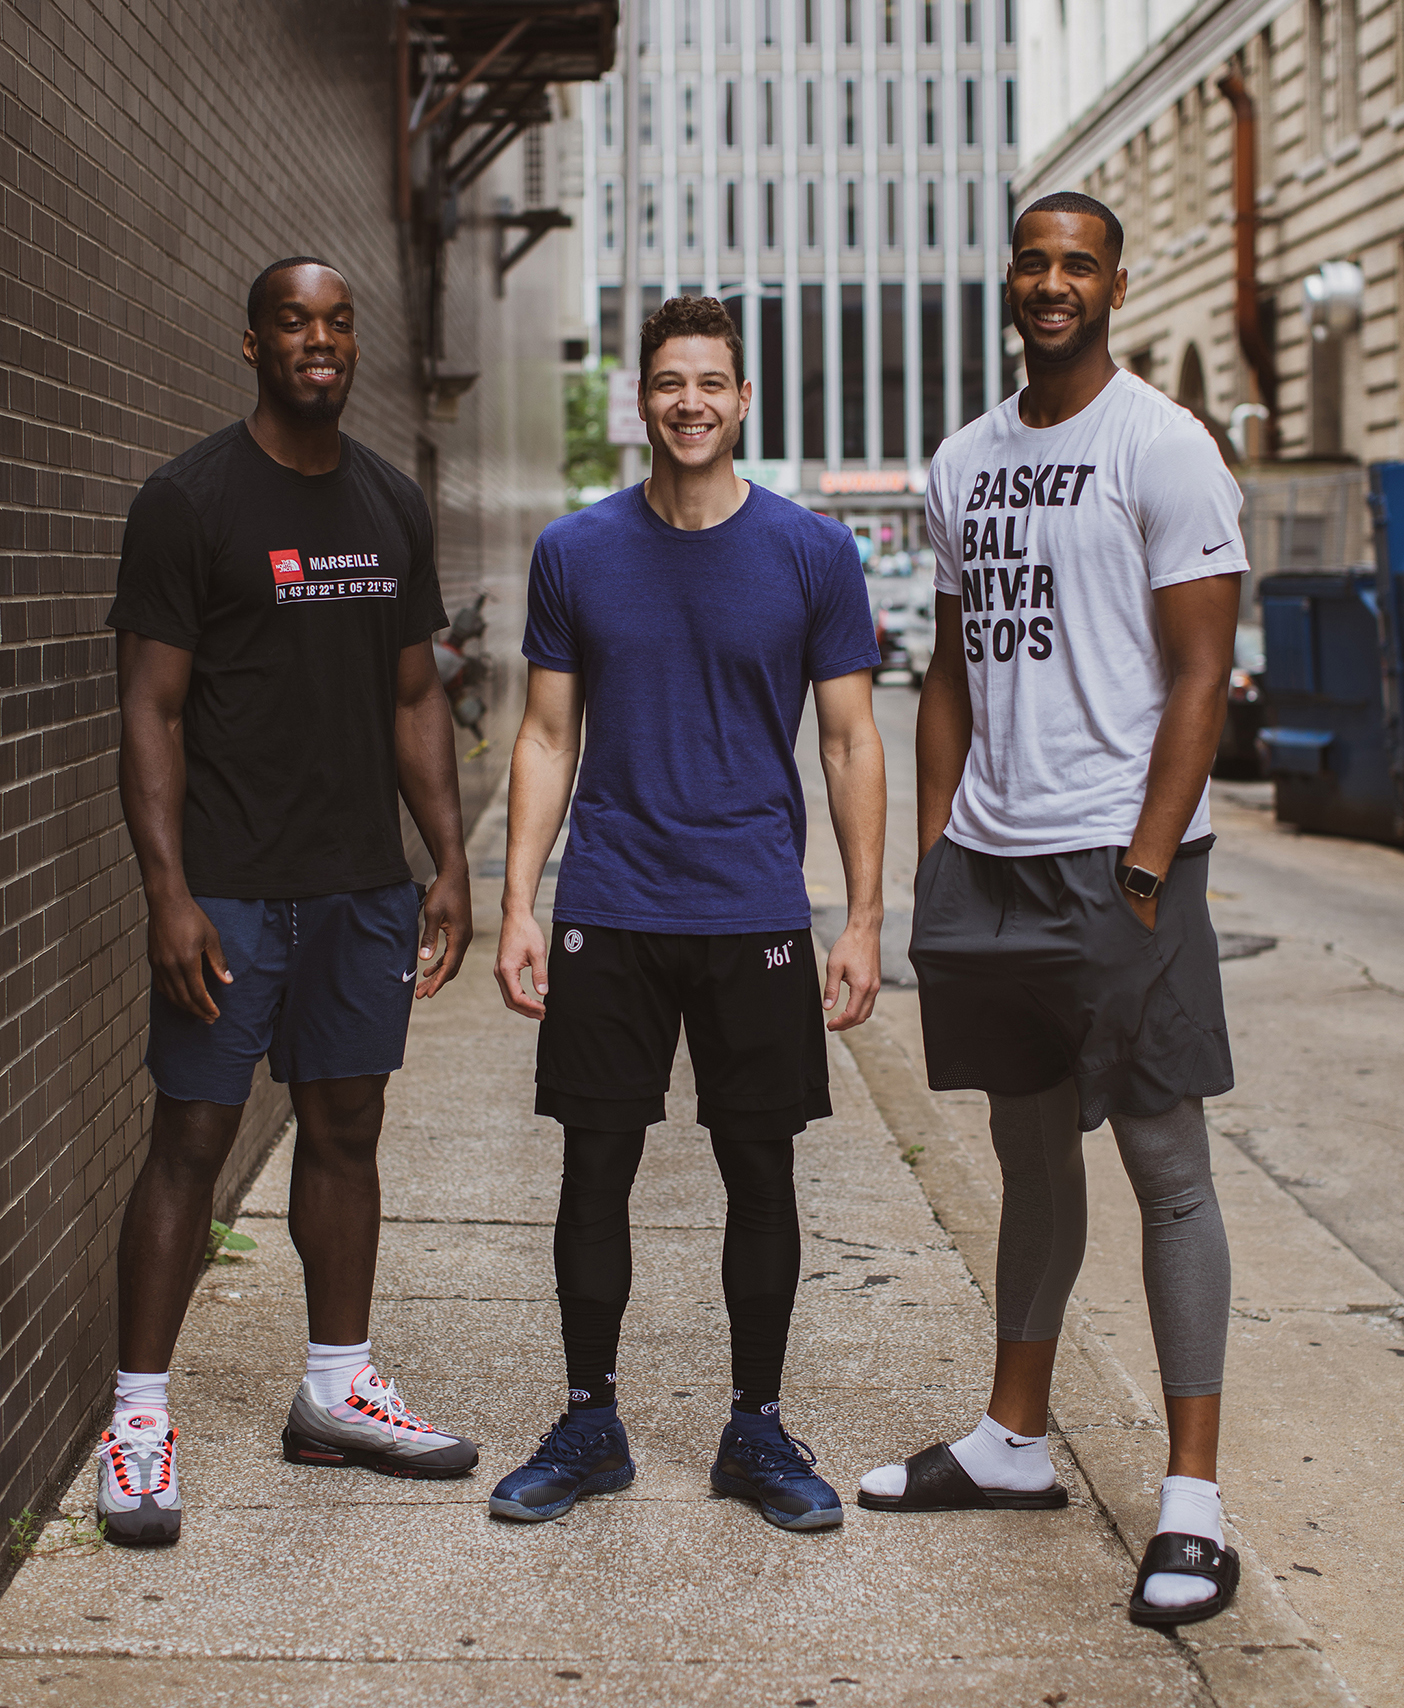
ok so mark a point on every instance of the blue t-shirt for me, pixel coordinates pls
(696, 651)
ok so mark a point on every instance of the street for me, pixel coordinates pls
(1309, 1164)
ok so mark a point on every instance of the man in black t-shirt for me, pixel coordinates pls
(275, 607)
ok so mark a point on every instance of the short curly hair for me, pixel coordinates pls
(689, 317)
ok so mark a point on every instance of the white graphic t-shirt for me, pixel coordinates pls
(1054, 538)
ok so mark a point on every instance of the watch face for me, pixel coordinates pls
(1142, 883)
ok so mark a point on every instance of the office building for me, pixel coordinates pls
(836, 171)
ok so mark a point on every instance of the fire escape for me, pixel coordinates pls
(471, 78)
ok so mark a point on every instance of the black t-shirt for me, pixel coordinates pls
(296, 593)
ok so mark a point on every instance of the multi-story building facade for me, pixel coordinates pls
(836, 171)
(1254, 150)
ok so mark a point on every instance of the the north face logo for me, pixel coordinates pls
(287, 565)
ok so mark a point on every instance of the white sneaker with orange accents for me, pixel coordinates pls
(138, 1492)
(372, 1427)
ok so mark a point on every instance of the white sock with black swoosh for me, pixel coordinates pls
(992, 1456)
(1190, 1507)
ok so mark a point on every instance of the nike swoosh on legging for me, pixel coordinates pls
(1188, 1210)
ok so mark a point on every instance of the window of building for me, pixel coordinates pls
(970, 18)
(889, 21)
(850, 112)
(851, 365)
(607, 114)
(929, 22)
(770, 222)
(970, 233)
(609, 320)
(768, 112)
(689, 213)
(648, 230)
(1011, 113)
(894, 373)
(809, 23)
(646, 30)
(689, 115)
(972, 112)
(852, 228)
(812, 371)
(933, 370)
(533, 168)
(772, 374)
(848, 28)
(1007, 197)
(890, 111)
(731, 211)
(931, 213)
(729, 114)
(972, 350)
(646, 112)
(811, 214)
(809, 115)
(933, 114)
(892, 219)
(1009, 20)
(768, 23)
(687, 23)
(1347, 68)
(727, 27)
(1313, 79)
(609, 215)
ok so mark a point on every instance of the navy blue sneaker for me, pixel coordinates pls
(576, 1457)
(779, 1476)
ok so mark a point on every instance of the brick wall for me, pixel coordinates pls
(154, 154)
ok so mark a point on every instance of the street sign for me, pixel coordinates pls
(625, 428)
(779, 477)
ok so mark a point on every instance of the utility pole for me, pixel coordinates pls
(630, 307)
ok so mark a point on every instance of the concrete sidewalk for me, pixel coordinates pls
(303, 1586)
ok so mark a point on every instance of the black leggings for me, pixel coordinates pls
(594, 1261)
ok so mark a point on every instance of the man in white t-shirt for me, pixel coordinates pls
(1087, 585)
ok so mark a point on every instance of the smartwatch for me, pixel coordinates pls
(1137, 881)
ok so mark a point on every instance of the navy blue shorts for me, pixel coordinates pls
(322, 987)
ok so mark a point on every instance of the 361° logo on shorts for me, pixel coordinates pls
(573, 941)
(287, 565)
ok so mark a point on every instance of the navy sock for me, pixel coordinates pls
(591, 1409)
(759, 1425)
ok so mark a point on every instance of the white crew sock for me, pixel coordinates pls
(992, 1456)
(142, 1391)
(1193, 1508)
(332, 1369)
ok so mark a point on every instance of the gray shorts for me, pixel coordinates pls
(1035, 968)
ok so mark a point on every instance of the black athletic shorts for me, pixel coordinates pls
(1035, 968)
(755, 1030)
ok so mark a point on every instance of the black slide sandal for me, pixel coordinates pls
(937, 1482)
(1184, 1556)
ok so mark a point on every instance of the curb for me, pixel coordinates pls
(1258, 1654)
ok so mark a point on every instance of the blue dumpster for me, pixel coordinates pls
(1324, 735)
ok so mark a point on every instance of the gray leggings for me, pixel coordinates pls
(1043, 1228)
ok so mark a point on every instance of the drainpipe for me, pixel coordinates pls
(1250, 331)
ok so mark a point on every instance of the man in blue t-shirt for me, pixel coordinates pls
(688, 616)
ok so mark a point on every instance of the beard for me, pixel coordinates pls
(319, 411)
(1072, 346)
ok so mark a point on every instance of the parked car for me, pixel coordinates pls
(919, 633)
(1238, 750)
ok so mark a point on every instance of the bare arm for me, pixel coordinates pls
(943, 725)
(153, 680)
(1196, 620)
(427, 768)
(544, 758)
(851, 751)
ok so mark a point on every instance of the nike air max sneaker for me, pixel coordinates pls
(575, 1458)
(373, 1428)
(779, 1476)
(138, 1492)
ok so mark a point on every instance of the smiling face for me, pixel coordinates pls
(692, 405)
(305, 347)
(1063, 284)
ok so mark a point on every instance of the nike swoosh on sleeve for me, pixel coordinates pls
(1208, 551)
